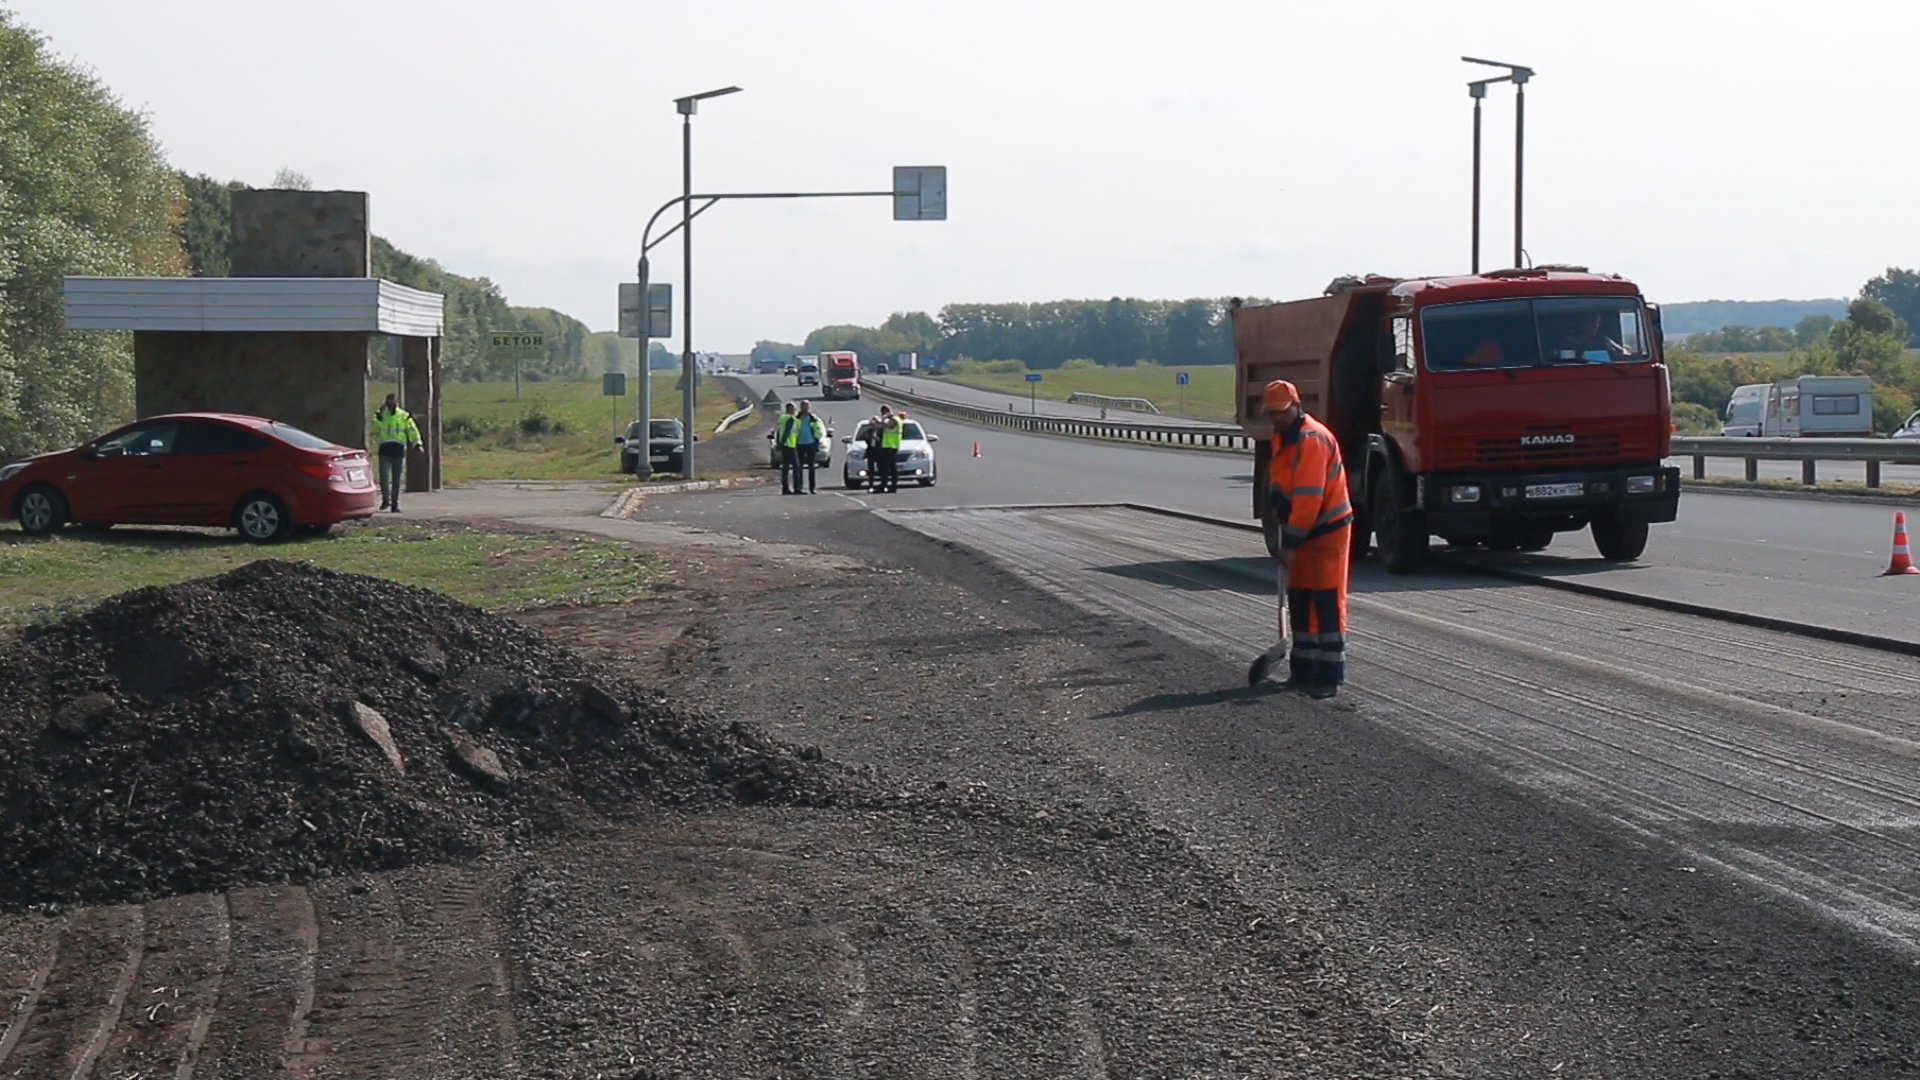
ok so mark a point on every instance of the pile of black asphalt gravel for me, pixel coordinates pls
(282, 722)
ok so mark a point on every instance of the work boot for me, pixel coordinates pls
(1321, 691)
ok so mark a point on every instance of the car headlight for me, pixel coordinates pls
(8, 472)
(1464, 493)
(1636, 485)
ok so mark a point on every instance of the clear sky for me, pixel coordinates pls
(1711, 150)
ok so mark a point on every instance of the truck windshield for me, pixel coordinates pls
(1532, 333)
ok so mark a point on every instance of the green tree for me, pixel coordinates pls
(287, 179)
(1899, 290)
(1872, 341)
(1812, 329)
(84, 189)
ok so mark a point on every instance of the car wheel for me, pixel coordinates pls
(628, 463)
(262, 519)
(677, 465)
(41, 509)
(928, 482)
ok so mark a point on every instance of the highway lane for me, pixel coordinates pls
(1811, 560)
(1732, 468)
(1781, 760)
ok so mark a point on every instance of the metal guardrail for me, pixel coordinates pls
(1132, 404)
(1198, 437)
(746, 410)
(1873, 452)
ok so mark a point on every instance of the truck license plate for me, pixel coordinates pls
(1555, 491)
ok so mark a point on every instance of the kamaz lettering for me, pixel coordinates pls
(1564, 439)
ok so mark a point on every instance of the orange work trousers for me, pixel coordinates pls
(1317, 609)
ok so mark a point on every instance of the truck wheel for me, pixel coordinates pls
(1401, 534)
(1619, 537)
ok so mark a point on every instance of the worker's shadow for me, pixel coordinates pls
(1236, 695)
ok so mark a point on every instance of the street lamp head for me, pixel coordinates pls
(687, 106)
(1515, 72)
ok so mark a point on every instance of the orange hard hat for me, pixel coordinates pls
(1280, 394)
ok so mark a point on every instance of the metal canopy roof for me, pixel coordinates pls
(272, 305)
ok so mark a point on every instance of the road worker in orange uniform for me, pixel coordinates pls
(1308, 479)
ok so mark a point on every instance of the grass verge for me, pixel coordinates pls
(555, 430)
(42, 579)
(1208, 395)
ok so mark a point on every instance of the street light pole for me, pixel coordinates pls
(1479, 92)
(1518, 76)
(1519, 157)
(687, 379)
(643, 465)
(687, 106)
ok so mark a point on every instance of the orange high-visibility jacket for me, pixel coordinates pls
(1309, 475)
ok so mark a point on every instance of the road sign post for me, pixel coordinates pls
(646, 321)
(919, 193)
(517, 346)
(1033, 393)
(1181, 380)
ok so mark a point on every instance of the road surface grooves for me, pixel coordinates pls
(1786, 761)
(815, 943)
(945, 935)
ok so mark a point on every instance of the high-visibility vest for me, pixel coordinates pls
(792, 436)
(396, 426)
(1309, 474)
(890, 434)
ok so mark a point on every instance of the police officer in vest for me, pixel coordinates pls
(886, 471)
(804, 435)
(393, 432)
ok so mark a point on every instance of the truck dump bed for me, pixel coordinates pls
(1299, 341)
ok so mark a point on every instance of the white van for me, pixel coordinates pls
(1746, 409)
(1820, 406)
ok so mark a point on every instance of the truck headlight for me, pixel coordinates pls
(1464, 493)
(1642, 485)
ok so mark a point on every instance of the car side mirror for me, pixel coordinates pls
(108, 451)
(619, 441)
(847, 441)
(696, 438)
(933, 438)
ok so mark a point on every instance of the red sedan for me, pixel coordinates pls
(218, 470)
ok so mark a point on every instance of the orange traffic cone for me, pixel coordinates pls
(1902, 558)
(976, 449)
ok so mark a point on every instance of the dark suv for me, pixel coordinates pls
(666, 445)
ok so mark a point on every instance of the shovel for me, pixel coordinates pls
(1263, 664)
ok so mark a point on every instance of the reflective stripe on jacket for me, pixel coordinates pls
(395, 427)
(1308, 473)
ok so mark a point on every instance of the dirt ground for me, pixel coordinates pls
(1064, 862)
(951, 924)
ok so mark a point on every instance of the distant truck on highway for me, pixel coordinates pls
(840, 376)
(1494, 409)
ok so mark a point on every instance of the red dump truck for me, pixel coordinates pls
(1495, 409)
(840, 376)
